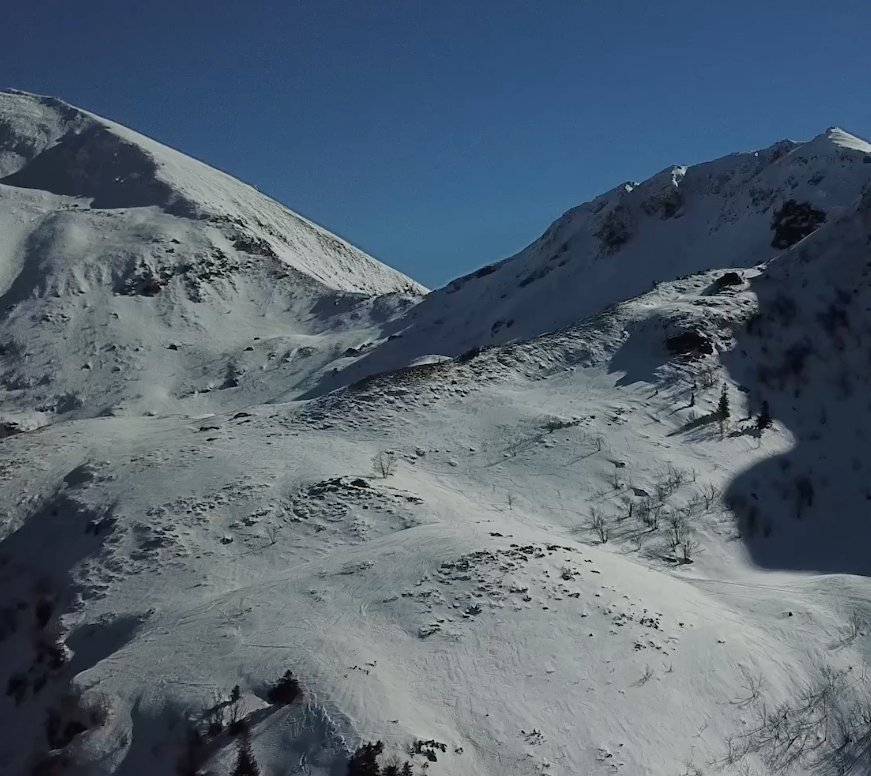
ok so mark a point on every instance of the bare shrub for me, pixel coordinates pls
(554, 423)
(753, 685)
(855, 628)
(645, 677)
(826, 727)
(650, 513)
(707, 375)
(688, 548)
(678, 528)
(643, 510)
(710, 494)
(599, 525)
(384, 464)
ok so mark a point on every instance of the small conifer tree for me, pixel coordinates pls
(364, 762)
(246, 765)
(723, 411)
(723, 405)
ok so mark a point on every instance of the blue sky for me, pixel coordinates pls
(440, 136)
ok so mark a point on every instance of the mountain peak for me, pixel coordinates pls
(844, 139)
(49, 145)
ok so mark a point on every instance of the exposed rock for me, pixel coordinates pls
(689, 343)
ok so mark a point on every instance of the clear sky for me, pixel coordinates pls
(440, 136)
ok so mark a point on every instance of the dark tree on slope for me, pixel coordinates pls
(723, 410)
(286, 691)
(764, 420)
(246, 765)
(364, 762)
(795, 221)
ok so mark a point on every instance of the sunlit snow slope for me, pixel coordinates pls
(628, 538)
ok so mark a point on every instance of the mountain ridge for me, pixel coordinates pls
(569, 544)
(92, 157)
(692, 219)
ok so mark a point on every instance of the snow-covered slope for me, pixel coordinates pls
(133, 277)
(54, 147)
(680, 221)
(553, 556)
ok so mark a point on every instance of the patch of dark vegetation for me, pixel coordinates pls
(286, 691)
(364, 762)
(531, 278)
(257, 246)
(794, 221)
(614, 231)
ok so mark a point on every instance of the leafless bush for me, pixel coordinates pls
(688, 548)
(645, 677)
(678, 528)
(384, 464)
(855, 628)
(554, 423)
(598, 524)
(650, 513)
(826, 728)
(753, 685)
(676, 478)
(644, 509)
(272, 532)
(669, 481)
(707, 375)
(710, 494)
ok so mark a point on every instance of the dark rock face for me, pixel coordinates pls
(727, 280)
(689, 343)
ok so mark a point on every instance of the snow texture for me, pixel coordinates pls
(234, 446)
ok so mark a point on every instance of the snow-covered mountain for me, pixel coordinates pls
(557, 555)
(680, 221)
(120, 255)
(54, 147)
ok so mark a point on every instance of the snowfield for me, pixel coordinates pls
(235, 446)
